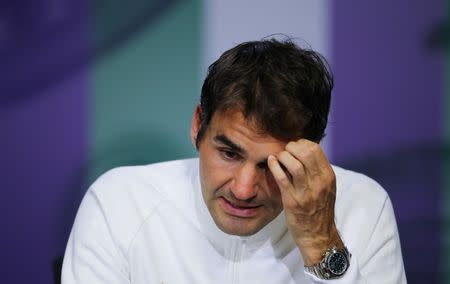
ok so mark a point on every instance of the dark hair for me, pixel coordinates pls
(283, 89)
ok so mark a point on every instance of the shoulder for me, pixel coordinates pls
(360, 201)
(128, 196)
(151, 182)
(356, 187)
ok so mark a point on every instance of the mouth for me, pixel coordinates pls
(239, 210)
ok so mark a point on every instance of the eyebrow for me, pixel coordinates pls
(226, 141)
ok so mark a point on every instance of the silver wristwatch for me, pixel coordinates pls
(334, 264)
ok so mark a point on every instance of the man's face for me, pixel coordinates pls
(237, 185)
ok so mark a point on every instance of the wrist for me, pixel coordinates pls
(313, 249)
(334, 264)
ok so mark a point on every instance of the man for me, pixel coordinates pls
(262, 204)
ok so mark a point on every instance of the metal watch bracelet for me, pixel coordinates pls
(322, 269)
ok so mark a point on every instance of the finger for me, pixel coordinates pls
(295, 169)
(280, 176)
(319, 172)
(310, 154)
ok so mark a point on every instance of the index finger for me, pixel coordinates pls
(281, 178)
(310, 154)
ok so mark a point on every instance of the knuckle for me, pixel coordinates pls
(314, 148)
(296, 167)
(298, 170)
(306, 154)
(291, 145)
(284, 181)
(281, 154)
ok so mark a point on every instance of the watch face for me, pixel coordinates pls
(337, 263)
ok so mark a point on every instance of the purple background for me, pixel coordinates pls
(389, 82)
(43, 133)
(388, 115)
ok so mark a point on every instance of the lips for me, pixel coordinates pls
(239, 210)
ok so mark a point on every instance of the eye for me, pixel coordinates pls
(229, 154)
(262, 166)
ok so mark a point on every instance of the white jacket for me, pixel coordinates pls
(149, 224)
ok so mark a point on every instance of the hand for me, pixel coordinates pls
(308, 191)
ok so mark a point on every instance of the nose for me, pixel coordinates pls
(245, 183)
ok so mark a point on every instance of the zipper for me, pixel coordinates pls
(238, 248)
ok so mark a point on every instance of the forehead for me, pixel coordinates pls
(243, 132)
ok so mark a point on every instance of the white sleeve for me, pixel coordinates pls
(381, 261)
(91, 254)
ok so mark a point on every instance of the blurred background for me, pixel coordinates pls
(86, 86)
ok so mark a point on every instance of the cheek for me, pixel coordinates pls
(214, 166)
(214, 174)
(273, 193)
(274, 190)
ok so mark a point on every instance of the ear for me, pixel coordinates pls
(195, 127)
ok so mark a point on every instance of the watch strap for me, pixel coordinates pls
(321, 270)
